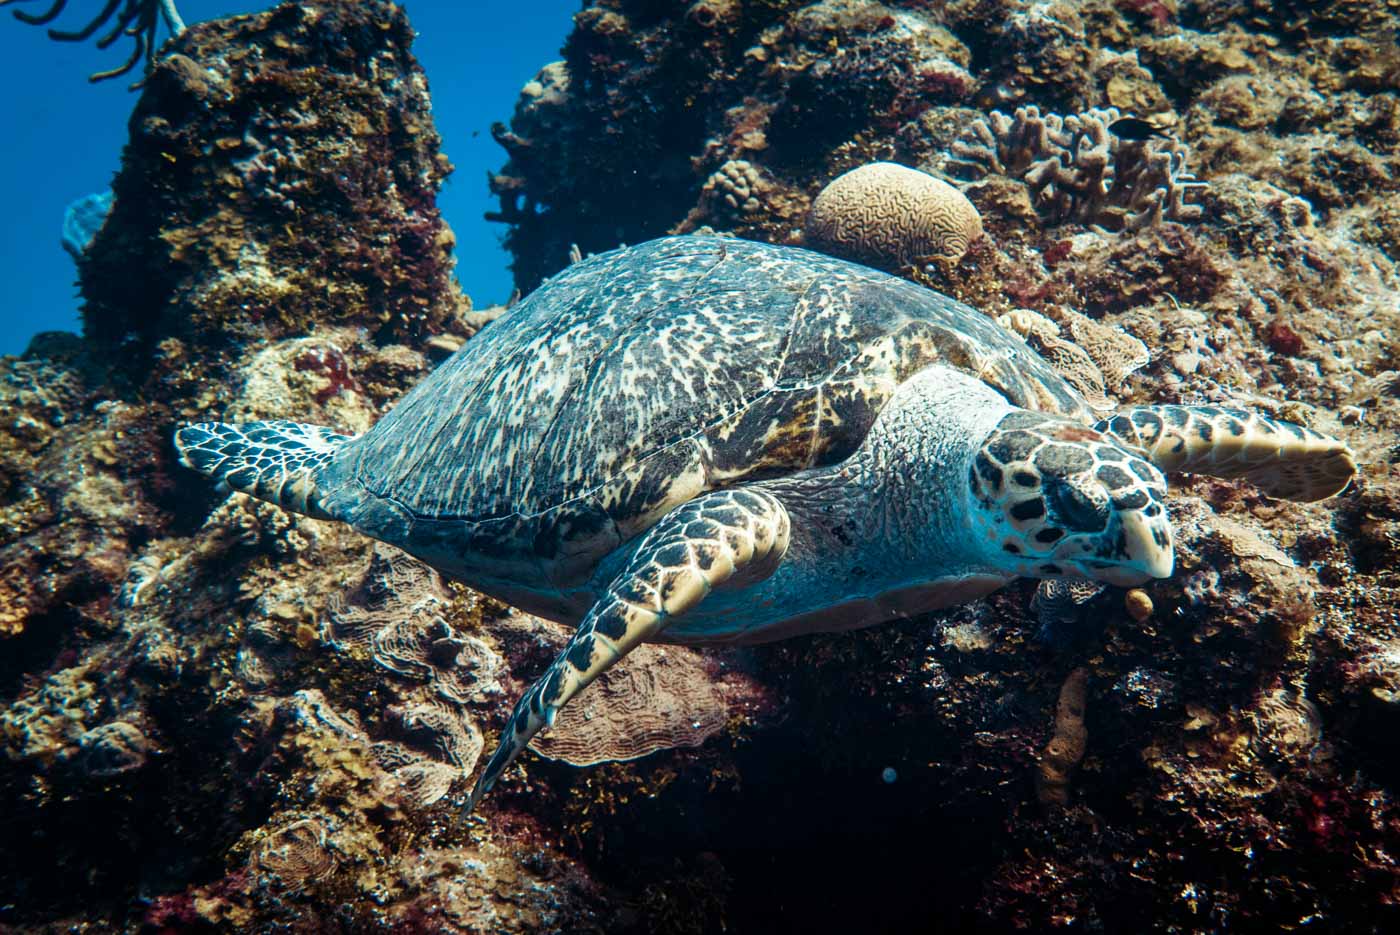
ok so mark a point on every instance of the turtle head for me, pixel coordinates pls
(1051, 498)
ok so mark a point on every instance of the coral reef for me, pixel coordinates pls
(170, 684)
(263, 721)
(887, 215)
(684, 93)
(1273, 287)
(325, 162)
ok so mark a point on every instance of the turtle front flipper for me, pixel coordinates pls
(734, 536)
(275, 461)
(1282, 459)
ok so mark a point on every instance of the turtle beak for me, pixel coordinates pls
(1148, 542)
(1137, 549)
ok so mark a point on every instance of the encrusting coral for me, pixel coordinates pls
(437, 681)
(1069, 359)
(659, 698)
(888, 215)
(1094, 357)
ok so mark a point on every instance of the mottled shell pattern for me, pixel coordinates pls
(635, 380)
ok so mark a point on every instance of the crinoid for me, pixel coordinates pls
(137, 19)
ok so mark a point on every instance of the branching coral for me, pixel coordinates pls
(739, 185)
(1078, 170)
(137, 19)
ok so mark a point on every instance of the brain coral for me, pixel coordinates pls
(888, 215)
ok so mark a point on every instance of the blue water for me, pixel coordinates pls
(62, 136)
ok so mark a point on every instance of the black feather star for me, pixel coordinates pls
(136, 19)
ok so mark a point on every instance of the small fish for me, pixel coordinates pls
(1135, 128)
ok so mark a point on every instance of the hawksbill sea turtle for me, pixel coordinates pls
(709, 440)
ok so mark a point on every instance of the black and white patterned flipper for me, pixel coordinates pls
(273, 461)
(1282, 459)
(736, 536)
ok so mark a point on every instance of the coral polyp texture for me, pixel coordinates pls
(1095, 358)
(888, 215)
(1079, 169)
(215, 716)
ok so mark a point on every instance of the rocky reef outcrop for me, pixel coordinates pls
(218, 716)
(208, 724)
(1209, 181)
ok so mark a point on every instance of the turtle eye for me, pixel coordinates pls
(1073, 508)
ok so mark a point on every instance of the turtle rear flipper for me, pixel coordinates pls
(1284, 460)
(275, 461)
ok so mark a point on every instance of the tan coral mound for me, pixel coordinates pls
(888, 215)
(657, 698)
(296, 854)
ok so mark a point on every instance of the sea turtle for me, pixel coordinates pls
(711, 440)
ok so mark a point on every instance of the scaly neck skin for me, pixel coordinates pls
(901, 501)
